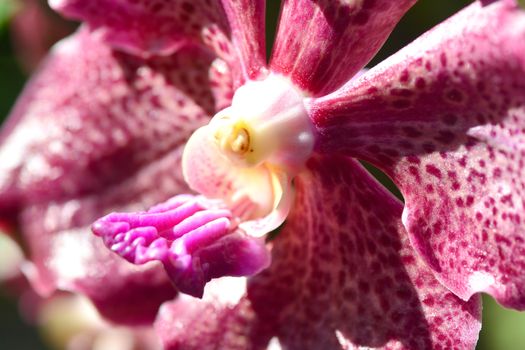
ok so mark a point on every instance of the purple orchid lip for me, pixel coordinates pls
(194, 238)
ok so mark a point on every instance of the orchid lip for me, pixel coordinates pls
(192, 237)
(249, 152)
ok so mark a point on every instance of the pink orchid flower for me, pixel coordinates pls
(104, 124)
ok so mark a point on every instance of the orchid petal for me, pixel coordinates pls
(322, 44)
(445, 118)
(68, 131)
(150, 27)
(229, 321)
(192, 237)
(88, 135)
(344, 273)
(247, 22)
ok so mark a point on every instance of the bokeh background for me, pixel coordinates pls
(29, 27)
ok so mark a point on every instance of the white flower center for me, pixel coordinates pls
(250, 151)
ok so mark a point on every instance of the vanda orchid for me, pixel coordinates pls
(117, 120)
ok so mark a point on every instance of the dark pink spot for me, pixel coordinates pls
(445, 137)
(450, 119)
(411, 132)
(420, 83)
(454, 95)
(433, 170)
(443, 59)
(401, 104)
(404, 76)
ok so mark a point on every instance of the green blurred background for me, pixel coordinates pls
(502, 329)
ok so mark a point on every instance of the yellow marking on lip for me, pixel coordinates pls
(235, 140)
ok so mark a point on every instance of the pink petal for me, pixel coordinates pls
(322, 44)
(445, 118)
(98, 131)
(224, 319)
(344, 276)
(247, 22)
(90, 108)
(151, 27)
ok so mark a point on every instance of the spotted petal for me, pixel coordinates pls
(445, 118)
(233, 29)
(98, 131)
(91, 108)
(344, 275)
(230, 321)
(322, 44)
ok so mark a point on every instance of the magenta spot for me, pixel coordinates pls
(401, 104)
(443, 59)
(372, 90)
(401, 92)
(479, 216)
(413, 171)
(411, 132)
(450, 119)
(445, 137)
(433, 170)
(428, 147)
(502, 240)
(405, 75)
(454, 95)
(420, 83)
(437, 227)
(405, 144)
(364, 287)
(413, 159)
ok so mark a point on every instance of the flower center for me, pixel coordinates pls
(233, 140)
(250, 151)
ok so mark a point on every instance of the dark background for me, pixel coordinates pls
(502, 329)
